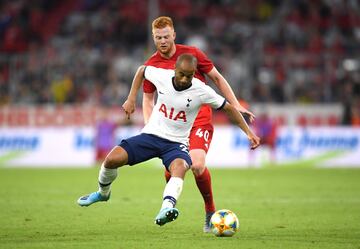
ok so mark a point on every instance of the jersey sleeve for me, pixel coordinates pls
(148, 87)
(210, 97)
(205, 65)
(150, 75)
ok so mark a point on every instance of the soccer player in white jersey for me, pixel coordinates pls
(180, 97)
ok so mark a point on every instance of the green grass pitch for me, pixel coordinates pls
(277, 208)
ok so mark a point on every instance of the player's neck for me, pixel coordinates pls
(170, 53)
(179, 88)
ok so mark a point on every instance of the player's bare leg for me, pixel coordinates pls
(203, 182)
(172, 191)
(107, 174)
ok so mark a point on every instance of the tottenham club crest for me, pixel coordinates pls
(188, 102)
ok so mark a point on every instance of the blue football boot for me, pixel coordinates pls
(166, 215)
(87, 200)
(207, 228)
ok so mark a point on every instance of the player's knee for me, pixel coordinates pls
(178, 168)
(114, 161)
(197, 168)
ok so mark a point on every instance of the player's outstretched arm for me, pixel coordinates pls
(239, 120)
(226, 90)
(129, 104)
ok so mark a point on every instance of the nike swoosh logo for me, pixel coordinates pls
(161, 92)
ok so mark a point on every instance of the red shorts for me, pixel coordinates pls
(200, 137)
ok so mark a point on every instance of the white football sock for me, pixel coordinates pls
(106, 177)
(172, 192)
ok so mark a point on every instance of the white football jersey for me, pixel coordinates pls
(175, 111)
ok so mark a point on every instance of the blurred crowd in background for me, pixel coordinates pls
(270, 51)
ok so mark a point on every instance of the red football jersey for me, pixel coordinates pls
(203, 67)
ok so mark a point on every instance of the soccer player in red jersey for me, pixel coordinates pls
(202, 131)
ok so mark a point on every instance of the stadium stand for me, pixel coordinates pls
(86, 51)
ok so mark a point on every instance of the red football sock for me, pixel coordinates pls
(203, 182)
(167, 175)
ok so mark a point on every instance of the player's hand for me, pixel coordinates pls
(129, 107)
(254, 141)
(249, 116)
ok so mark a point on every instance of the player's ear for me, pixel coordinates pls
(174, 35)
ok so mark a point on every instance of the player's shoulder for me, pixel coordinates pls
(186, 49)
(198, 84)
(198, 53)
(158, 70)
(155, 68)
(153, 59)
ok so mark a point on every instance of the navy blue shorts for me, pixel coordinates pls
(143, 147)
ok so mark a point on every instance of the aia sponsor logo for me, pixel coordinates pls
(181, 115)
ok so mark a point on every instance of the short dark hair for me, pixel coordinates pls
(189, 58)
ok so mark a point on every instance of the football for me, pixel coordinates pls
(224, 223)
